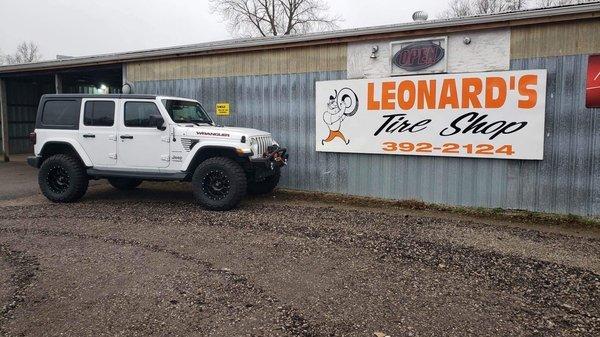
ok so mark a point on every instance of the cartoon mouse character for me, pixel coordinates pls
(342, 104)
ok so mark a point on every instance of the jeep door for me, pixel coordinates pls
(140, 144)
(97, 131)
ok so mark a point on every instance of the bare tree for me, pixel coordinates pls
(460, 8)
(553, 3)
(27, 52)
(457, 9)
(274, 17)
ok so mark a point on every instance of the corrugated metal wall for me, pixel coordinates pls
(22, 102)
(566, 181)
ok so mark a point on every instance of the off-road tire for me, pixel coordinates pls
(266, 185)
(62, 178)
(215, 169)
(124, 184)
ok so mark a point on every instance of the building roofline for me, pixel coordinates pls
(487, 21)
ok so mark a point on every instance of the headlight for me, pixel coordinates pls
(254, 147)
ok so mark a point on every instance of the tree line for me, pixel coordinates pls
(26, 52)
(248, 18)
(460, 8)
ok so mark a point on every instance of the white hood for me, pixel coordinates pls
(192, 130)
(246, 131)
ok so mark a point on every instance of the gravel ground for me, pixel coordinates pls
(151, 262)
(17, 178)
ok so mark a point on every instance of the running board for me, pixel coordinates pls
(136, 175)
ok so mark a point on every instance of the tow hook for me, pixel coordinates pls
(279, 157)
(279, 160)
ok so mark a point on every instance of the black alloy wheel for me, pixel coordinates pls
(219, 183)
(216, 184)
(63, 178)
(58, 179)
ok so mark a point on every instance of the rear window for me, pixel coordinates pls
(99, 113)
(61, 113)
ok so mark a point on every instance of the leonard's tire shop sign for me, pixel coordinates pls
(480, 115)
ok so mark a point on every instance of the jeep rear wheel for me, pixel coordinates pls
(62, 178)
(219, 184)
(266, 185)
(124, 183)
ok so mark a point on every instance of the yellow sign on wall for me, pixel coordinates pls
(222, 109)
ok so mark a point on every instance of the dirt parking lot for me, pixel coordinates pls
(151, 262)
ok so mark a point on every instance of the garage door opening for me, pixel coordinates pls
(91, 81)
(21, 94)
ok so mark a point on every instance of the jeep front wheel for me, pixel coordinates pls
(124, 183)
(62, 178)
(219, 183)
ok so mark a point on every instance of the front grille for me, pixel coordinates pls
(188, 144)
(263, 143)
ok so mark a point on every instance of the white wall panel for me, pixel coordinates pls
(488, 51)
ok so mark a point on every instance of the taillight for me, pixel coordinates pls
(32, 138)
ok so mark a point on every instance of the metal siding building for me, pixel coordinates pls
(270, 85)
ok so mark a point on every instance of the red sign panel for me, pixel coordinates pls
(592, 99)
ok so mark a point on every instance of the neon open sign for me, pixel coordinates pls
(418, 56)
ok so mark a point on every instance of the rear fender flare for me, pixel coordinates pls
(77, 148)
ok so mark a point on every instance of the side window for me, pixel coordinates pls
(61, 113)
(99, 113)
(137, 114)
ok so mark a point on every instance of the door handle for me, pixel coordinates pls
(89, 135)
(126, 137)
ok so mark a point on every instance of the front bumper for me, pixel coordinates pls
(35, 161)
(276, 156)
(270, 164)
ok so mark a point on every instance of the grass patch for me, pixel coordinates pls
(478, 212)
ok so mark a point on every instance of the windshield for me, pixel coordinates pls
(186, 111)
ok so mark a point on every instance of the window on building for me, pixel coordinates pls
(99, 113)
(61, 113)
(137, 114)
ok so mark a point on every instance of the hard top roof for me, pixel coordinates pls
(124, 96)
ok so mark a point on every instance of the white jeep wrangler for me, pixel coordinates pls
(131, 138)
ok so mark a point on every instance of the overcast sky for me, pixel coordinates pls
(87, 27)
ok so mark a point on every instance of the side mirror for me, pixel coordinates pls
(157, 121)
